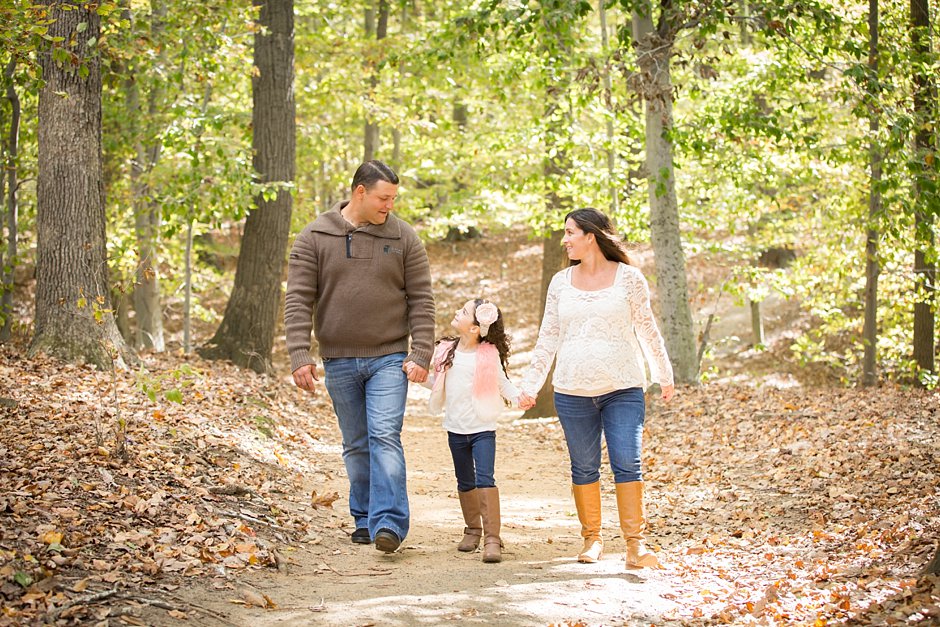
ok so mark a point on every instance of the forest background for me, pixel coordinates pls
(159, 155)
(791, 144)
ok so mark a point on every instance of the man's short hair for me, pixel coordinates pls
(371, 172)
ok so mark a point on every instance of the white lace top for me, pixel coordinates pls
(600, 338)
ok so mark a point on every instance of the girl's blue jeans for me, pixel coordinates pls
(368, 395)
(619, 415)
(474, 459)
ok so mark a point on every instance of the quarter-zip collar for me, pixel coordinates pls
(332, 222)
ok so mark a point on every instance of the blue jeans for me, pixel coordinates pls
(368, 395)
(619, 415)
(474, 459)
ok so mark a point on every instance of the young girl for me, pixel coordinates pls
(468, 381)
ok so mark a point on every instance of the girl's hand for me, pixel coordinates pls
(668, 392)
(526, 401)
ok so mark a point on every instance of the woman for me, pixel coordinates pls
(598, 326)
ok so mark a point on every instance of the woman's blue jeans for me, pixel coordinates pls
(619, 415)
(474, 459)
(368, 395)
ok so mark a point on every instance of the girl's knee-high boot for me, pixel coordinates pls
(633, 525)
(587, 498)
(470, 506)
(489, 508)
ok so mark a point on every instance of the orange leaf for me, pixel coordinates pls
(52, 537)
(324, 500)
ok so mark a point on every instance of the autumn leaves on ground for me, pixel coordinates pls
(768, 504)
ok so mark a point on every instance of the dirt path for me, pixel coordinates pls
(333, 582)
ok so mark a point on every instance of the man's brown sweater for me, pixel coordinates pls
(363, 290)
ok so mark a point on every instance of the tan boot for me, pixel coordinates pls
(633, 525)
(587, 498)
(470, 505)
(489, 508)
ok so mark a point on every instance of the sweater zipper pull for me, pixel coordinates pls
(349, 246)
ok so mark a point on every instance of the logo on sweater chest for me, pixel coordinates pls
(389, 249)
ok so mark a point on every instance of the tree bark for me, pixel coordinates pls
(872, 269)
(925, 194)
(654, 48)
(608, 96)
(72, 321)
(552, 261)
(12, 218)
(246, 335)
(371, 136)
(147, 301)
(188, 287)
(396, 131)
(933, 567)
(757, 323)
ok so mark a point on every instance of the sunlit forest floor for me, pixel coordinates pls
(774, 496)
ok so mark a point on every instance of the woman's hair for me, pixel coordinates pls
(591, 220)
(495, 335)
(371, 172)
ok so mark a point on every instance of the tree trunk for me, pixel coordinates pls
(371, 138)
(12, 219)
(147, 219)
(4, 163)
(870, 329)
(608, 96)
(553, 259)
(188, 287)
(925, 193)
(653, 53)
(405, 21)
(246, 335)
(73, 321)
(933, 568)
(555, 45)
(745, 16)
(757, 323)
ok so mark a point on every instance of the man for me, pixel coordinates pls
(360, 276)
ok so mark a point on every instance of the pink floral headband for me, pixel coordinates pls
(486, 314)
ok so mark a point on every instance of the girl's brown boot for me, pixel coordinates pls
(470, 506)
(489, 508)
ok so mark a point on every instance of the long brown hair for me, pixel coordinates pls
(495, 335)
(591, 220)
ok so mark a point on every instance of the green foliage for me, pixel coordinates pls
(265, 425)
(168, 385)
(482, 105)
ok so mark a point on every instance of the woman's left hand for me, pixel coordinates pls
(668, 392)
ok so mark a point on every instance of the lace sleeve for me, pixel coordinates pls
(651, 341)
(549, 335)
(507, 389)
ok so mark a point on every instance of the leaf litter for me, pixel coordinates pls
(803, 505)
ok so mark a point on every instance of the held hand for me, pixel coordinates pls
(526, 401)
(305, 376)
(416, 374)
(668, 392)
